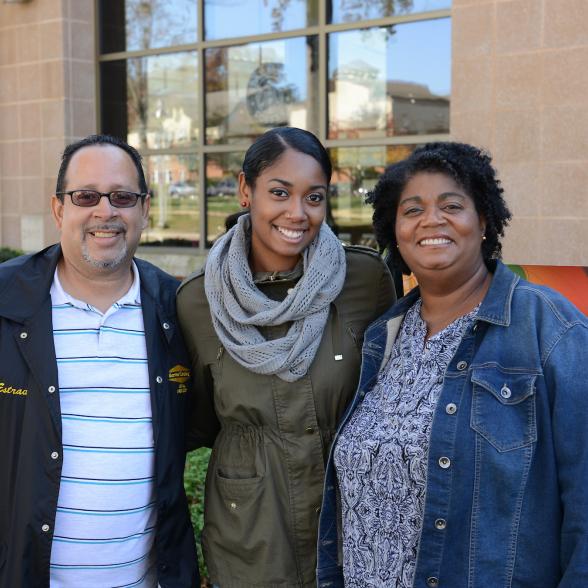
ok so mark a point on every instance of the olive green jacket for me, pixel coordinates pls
(271, 437)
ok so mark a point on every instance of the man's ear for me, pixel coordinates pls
(57, 211)
(146, 207)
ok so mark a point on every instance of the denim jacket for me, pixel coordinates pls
(506, 502)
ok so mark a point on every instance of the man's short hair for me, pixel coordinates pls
(100, 140)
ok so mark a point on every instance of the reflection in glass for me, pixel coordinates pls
(236, 18)
(355, 172)
(390, 81)
(152, 101)
(222, 192)
(251, 88)
(354, 10)
(131, 25)
(174, 215)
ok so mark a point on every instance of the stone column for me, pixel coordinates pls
(47, 99)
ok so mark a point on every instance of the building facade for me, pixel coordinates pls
(191, 83)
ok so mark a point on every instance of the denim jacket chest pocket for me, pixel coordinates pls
(503, 407)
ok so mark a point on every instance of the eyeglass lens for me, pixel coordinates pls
(92, 198)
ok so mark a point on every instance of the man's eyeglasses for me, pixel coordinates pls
(117, 198)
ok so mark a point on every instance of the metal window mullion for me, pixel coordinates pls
(97, 72)
(387, 21)
(387, 141)
(322, 72)
(203, 205)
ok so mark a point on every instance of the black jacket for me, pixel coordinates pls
(30, 423)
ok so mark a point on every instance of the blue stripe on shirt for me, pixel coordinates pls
(129, 482)
(99, 566)
(105, 390)
(130, 360)
(106, 419)
(108, 449)
(105, 513)
(102, 541)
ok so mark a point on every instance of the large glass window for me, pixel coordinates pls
(358, 10)
(152, 101)
(237, 18)
(390, 81)
(371, 78)
(252, 88)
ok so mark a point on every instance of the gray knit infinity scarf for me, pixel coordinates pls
(238, 307)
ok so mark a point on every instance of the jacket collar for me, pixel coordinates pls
(27, 282)
(496, 305)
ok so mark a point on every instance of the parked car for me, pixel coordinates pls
(226, 187)
(182, 190)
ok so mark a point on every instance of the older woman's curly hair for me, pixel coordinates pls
(468, 166)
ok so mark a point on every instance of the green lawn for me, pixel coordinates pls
(194, 477)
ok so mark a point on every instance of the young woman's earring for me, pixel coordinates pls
(243, 204)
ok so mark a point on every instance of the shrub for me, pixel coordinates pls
(7, 253)
(194, 477)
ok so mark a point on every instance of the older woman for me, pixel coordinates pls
(463, 459)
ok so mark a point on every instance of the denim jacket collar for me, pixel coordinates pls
(495, 307)
(497, 303)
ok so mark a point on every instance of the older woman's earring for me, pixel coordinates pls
(243, 204)
(483, 237)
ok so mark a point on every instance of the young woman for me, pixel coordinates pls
(463, 459)
(274, 326)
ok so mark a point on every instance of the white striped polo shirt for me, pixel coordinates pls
(105, 523)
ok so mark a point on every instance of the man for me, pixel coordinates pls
(93, 394)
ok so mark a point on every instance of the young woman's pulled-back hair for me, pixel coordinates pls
(269, 147)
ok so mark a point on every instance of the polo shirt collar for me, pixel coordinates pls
(132, 296)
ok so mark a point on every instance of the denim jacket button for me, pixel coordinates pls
(432, 582)
(462, 365)
(451, 408)
(444, 462)
(440, 524)
(505, 392)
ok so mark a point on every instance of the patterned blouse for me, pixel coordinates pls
(381, 456)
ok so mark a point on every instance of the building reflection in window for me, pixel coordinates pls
(132, 25)
(354, 10)
(174, 217)
(222, 191)
(235, 18)
(157, 94)
(390, 81)
(355, 172)
(252, 88)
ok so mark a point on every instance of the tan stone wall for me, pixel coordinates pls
(520, 85)
(47, 99)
